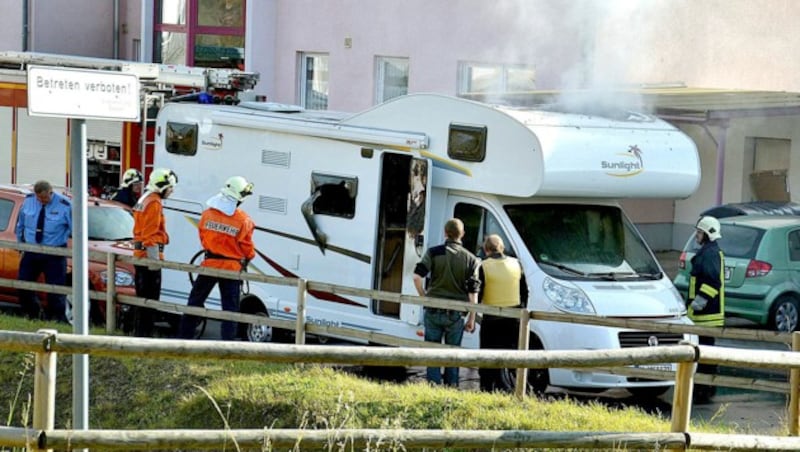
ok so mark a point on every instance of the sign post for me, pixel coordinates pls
(80, 94)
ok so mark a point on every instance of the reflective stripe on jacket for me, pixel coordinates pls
(707, 278)
(230, 237)
(149, 225)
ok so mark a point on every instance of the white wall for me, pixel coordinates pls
(737, 167)
(41, 149)
(739, 44)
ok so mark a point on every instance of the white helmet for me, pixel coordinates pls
(237, 188)
(131, 176)
(710, 226)
(162, 179)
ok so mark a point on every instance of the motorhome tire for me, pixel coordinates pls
(258, 333)
(538, 379)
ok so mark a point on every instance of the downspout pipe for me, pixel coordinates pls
(115, 38)
(720, 142)
(25, 21)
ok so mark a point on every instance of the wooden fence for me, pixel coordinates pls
(614, 361)
(47, 344)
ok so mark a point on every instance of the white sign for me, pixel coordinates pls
(83, 93)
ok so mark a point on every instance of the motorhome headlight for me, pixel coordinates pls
(121, 278)
(569, 299)
(680, 305)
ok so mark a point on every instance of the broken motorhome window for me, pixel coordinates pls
(466, 142)
(181, 138)
(335, 195)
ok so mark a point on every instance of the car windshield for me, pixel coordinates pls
(112, 223)
(736, 241)
(584, 241)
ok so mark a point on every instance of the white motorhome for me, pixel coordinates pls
(355, 200)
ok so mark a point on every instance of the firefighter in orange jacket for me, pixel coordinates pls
(226, 233)
(149, 237)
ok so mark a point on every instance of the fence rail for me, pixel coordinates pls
(47, 344)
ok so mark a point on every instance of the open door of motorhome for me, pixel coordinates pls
(403, 218)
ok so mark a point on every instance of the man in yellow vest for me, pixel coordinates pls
(503, 285)
(706, 301)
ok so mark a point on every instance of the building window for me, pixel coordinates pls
(391, 78)
(206, 33)
(314, 81)
(495, 78)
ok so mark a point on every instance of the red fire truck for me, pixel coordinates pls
(33, 148)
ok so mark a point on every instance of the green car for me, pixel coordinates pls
(762, 269)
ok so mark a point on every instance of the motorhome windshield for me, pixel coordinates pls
(574, 241)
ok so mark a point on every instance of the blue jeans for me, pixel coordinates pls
(229, 296)
(448, 325)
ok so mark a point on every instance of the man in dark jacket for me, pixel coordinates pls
(706, 300)
(454, 275)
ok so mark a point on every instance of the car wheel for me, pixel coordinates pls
(95, 317)
(538, 379)
(649, 392)
(68, 314)
(784, 314)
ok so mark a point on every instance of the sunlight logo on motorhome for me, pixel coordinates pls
(630, 164)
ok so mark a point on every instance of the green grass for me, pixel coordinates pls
(132, 393)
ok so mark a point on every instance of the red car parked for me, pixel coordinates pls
(110, 229)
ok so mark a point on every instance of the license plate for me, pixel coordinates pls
(662, 367)
(728, 273)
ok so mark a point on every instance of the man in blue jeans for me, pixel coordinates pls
(453, 274)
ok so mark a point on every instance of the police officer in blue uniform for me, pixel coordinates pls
(45, 219)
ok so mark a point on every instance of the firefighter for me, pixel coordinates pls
(149, 238)
(706, 301)
(226, 234)
(131, 186)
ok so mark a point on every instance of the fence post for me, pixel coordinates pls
(300, 329)
(111, 293)
(523, 343)
(44, 385)
(794, 390)
(682, 397)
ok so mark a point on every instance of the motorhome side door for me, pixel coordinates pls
(403, 218)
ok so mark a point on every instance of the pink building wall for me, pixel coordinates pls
(435, 36)
(11, 26)
(74, 27)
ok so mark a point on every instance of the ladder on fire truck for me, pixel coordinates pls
(159, 84)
